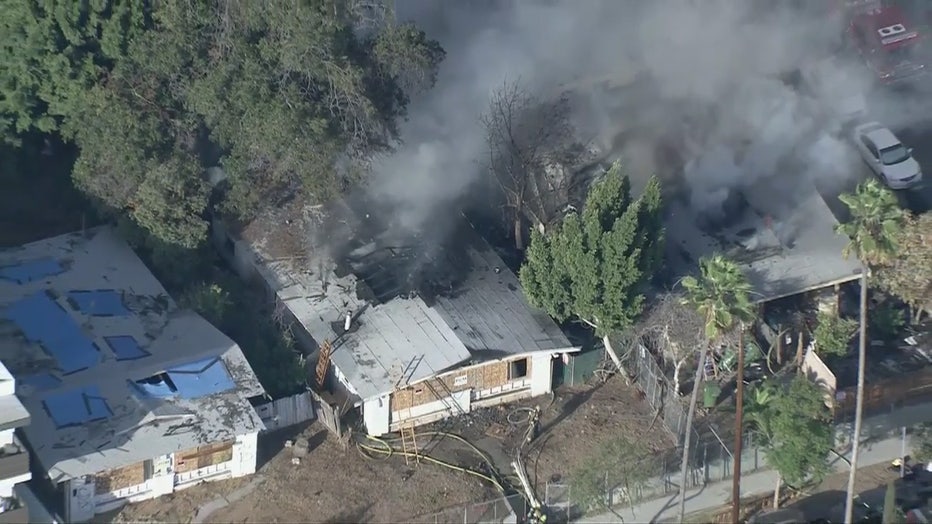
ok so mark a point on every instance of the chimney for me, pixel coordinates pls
(347, 321)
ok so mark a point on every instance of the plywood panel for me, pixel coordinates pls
(477, 377)
(203, 456)
(120, 478)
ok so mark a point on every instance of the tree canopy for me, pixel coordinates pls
(875, 223)
(278, 93)
(795, 428)
(595, 265)
(908, 275)
(721, 294)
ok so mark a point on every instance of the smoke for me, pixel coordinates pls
(692, 90)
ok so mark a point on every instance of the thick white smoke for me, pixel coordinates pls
(708, 73)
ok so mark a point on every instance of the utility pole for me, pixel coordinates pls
(739, 415)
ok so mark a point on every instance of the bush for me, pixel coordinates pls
(833, 335)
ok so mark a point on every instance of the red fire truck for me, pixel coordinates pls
(884, 37)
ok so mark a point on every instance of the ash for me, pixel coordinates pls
(392, 260)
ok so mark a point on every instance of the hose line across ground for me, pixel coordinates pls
(384, 448)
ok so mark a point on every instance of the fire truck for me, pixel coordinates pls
(884, 37)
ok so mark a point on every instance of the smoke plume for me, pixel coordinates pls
(695, 91)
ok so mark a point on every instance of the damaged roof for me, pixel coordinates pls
(784, 249)
(126, 375)
(400, 336)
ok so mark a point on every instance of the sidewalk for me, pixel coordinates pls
(716, 494)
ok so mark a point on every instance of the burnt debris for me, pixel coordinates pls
(391, 262)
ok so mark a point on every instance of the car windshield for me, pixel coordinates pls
(894, 155)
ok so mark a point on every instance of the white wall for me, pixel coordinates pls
(82, 501)
(376, 415)
(541, 374)
(244, 455)
(6, 485)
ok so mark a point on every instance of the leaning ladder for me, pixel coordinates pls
(323, 363)
(409, 443)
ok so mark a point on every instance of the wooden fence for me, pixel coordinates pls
(287, 412)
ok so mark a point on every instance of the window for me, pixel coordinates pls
(459, 381)
(518, 369)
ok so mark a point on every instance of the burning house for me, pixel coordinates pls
(785, 248)
(409, 333)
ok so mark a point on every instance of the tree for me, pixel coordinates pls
(273, 357)
(833, 334)
(52, 50)
(527, 137)
(795, 429)
(922, 442)
(284, 95)
(908, 275)
(721, 296)
(595, 266)
(873, 228)
(674, 329)
(875, 224)
(617, 463)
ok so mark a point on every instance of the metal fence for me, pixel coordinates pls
(657, 388)
(503, 510)
(710, 462)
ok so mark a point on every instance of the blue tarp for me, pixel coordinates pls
(105, 303)
(201, 378)
(41, 381)
(76, 407)
(44, 322)
(125, 347)
(32, 270)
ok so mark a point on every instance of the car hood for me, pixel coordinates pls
(903, 170)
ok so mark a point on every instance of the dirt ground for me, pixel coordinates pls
(333, 485)
(329, 485)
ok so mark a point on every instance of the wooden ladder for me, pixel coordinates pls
(409, 443)
(323, 363)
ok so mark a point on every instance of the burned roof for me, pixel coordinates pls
(416, 308)
(784, 249)
(126, 375)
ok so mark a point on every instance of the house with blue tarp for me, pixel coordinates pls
(129, 396)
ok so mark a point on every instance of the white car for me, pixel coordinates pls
(887, 157)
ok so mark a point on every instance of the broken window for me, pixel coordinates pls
(518, 369)
(159, 381)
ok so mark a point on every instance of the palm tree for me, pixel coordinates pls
(721, 295)
(873, 227)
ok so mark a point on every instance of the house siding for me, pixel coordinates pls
(480, 377)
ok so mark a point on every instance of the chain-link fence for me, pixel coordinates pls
(657, 476)
(503, 510)
(657, 388)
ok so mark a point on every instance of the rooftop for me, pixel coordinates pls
(126, 375)
(415, 310)
(12, 412)
(785, 249)
(882, 137)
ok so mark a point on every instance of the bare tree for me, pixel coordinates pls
(531, 144)
(674, 331)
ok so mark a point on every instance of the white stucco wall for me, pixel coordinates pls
(82, 501)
